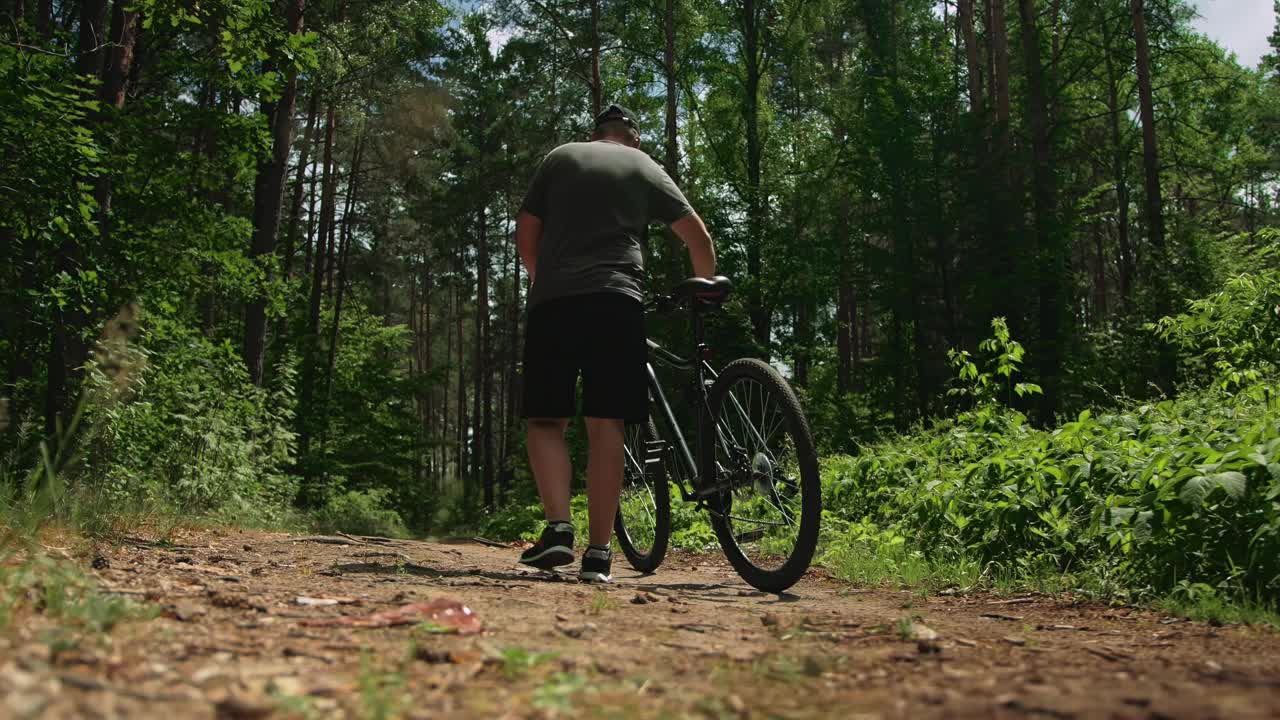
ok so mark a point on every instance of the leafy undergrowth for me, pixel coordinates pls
(46, 596)
(1173, 498)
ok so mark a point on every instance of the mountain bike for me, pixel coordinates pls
(752, 466)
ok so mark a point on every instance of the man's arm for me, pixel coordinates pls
(528, 233)
(693, 232)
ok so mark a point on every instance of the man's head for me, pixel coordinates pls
(617, 123)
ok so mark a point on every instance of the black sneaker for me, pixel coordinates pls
(596, 562)
(553, 549)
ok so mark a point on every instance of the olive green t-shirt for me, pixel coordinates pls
(595, 200)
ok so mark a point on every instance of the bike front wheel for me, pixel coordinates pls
(643, 523)
(761, 455)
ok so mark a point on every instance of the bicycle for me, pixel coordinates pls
(761, 488)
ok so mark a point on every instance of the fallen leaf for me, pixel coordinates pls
(304, 600)
(442, 612)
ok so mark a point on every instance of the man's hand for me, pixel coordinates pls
(693, 232)
(528, 233)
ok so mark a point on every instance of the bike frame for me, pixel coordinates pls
(695, 490)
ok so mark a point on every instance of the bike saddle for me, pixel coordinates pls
(713, 290)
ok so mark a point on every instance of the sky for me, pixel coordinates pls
(1239, 25)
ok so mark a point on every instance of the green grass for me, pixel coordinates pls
(1213, 608)
(36, 584)
(600, 603)
(557, 692)
(515, 662)
(383, 694)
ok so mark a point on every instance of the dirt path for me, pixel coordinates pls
(233, 641)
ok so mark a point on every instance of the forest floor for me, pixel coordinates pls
(243, 626)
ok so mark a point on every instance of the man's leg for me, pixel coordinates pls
(552, 471)
(549, 458)
(604, 476)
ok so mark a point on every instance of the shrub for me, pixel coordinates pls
(1144, 499)
(361, 512)
(175, 420)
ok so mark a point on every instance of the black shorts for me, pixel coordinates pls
(601, 336)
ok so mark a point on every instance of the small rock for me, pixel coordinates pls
(610, 670)
(920, 631)
(751, 593)
(928, 647)
(644, 598)
(247, 547)
(562, 617)
(966, 642)
(771, 620)
(735, 703)
(186, 611)
(244, 707)
(288, 685)
(100, 563)
(578, 632)
(1015, 640)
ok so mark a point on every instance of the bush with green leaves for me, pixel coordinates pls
(173, 420)
(1231, 337)
(1141, 500)
(361, 512)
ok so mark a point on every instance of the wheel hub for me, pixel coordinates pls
(762, 474)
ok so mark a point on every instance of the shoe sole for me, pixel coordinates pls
(595, 577)
(553, 557)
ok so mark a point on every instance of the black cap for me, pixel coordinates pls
(617, 113)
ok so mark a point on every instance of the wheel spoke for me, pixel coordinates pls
(759, 452)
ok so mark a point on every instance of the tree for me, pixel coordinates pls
(268, 195)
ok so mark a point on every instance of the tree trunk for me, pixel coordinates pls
(672, 147)
(1158, 269)
(311, 352)
(1119, 167)
(483, 351)
(93, 38)
(513, 370)
(596, 90)
(44, 19)
(344, 253)
(1052, 263)
(752, 59)
(292, 231)
(973, 63)
(66, 349)
(124, 25)
(1150, 153)
(1000, 47)
(268, 194)
(461, 428)
(117, 60)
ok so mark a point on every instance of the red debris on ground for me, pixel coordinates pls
(445, 613)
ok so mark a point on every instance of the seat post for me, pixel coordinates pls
(699, 330)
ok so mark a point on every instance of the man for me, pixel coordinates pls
(581, 233)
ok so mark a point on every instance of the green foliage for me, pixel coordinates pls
(1134, 501)
(515, 661)
(1005, 362)
(1231, 337)
(361, 512)
(175, 420)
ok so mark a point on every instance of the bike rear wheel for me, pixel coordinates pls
(643, 523)
(760, 452)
